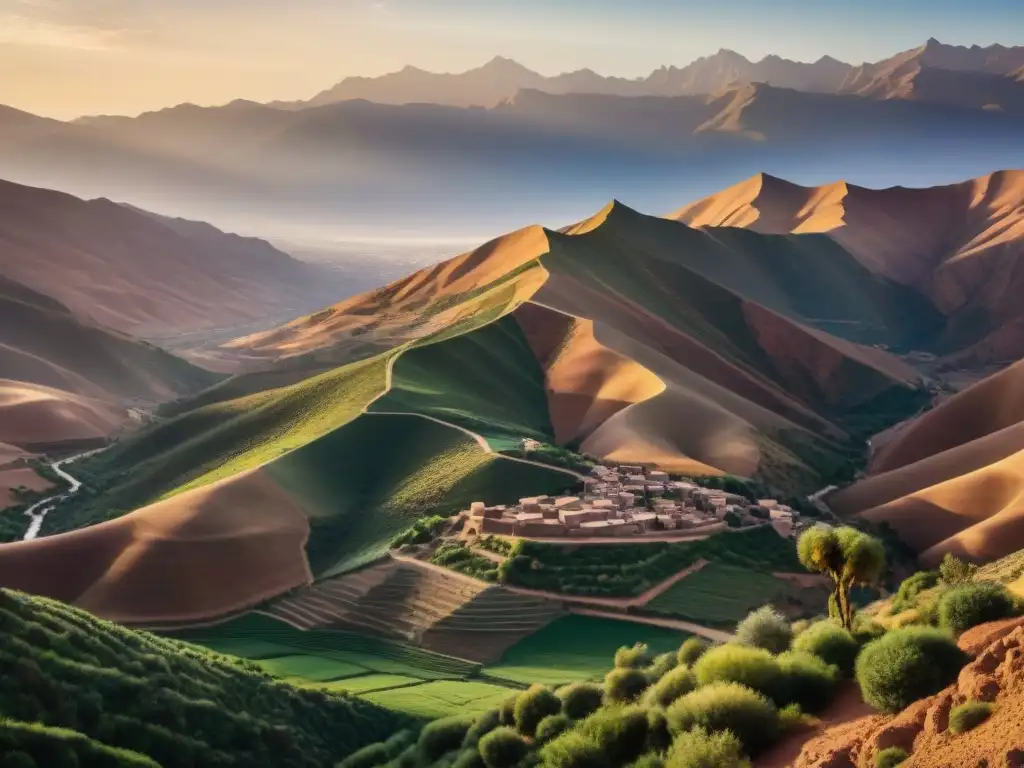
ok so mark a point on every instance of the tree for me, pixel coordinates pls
(847, 556)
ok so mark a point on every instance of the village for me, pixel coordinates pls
(629, 501)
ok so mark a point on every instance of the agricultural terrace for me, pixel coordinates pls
(721, 594)
(624, 570)
(575, 648)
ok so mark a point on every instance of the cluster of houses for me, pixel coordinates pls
(623, 501)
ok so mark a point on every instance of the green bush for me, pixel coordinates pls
(507, 710)
(890, 758)
(807, 680)
(552, 726)
(533, 705)
(673, 685)
(369, 756)
(574, 750)
(468, 758)
(649, 761)
(969, 716)
(580, 700)
(700, 749)
(659, 737)
(791, 717)
(17, 760)
(969, 605)
(691, 650)
(622, 686)
(765, 628)
(905, 665)
(906, 596)
(620, 731)
(755, 668)
(483, 725)
(502, 748)
(830, 643)
(953, 571)
(662, 665)
(750, 716)
(636, 657)
(444, 735)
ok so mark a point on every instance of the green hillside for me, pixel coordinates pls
(77, 690)
(487, 380)
(366, 482)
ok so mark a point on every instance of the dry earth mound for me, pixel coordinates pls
(996, 675)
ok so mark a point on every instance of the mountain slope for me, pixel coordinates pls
(951, 480)
(957, 244)
(144, 274)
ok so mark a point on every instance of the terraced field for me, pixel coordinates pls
(441, 612)
(719, 595)
(442, 698)
(577, 648)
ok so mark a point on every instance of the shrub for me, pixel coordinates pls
(574, 750)
(483, 725)
(580, 700)
(368, 757)
(533, 705)
(807, 680)
(622, 686)
(969, 605)
(636, 657)
(621, 732)
(765, 628)
(551, 726)
(659, 738)
(444, 735)
(890, 758)
(502, 748)
(468, 758)
(800, 626)
(673, 685)
(649, 761)
(662, 665)
(700, 749)
(830, 643)
(507, 710)
(751, 717)
(953, 571)
(969, 716)
(905, 665)
(753, 667)
(792, 717)
(691, 650)
(910, 588)
(866, 629)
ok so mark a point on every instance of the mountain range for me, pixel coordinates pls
(764, 332)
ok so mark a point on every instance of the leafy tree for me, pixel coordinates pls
(847, 556)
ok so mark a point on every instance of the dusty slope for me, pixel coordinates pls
(32, 414)
(958, 244)
(10, 453)
(995, 675)
(989, 406)
(242, 540)
(43, 344)
(139, 273)
(21, 477)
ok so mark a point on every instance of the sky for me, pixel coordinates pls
(65, 58)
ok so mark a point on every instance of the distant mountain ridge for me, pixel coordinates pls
(500, 78)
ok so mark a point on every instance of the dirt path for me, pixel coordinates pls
(694, 629)
(480, 440)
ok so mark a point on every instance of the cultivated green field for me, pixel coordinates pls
(367, 683)
(576, 648)
(442, 698)
(488, 381)
(312, 668)
(719, 595)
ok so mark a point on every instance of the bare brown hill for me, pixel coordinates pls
(957, 244)
(140, 273)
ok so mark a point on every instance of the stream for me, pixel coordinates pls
(47, 505)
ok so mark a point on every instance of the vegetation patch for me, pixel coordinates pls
(969, 715)
(441, 698)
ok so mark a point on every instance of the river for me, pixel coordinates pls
(47, 505)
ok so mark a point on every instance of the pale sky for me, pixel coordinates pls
(64, 58)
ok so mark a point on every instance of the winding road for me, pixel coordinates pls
(47, 505)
